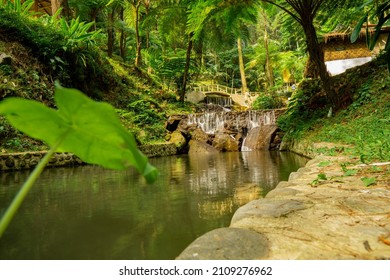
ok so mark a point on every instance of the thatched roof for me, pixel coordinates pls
(346, 35)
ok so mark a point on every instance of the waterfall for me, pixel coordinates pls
(209, 122)
(234, 131)
(213, 122)
(259, 118)
(222, 101)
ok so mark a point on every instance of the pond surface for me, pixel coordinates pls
(89, 212)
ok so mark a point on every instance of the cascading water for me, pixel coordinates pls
(232, 123)
(209, 122)
(223, 101)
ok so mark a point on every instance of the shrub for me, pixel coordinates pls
(267, 101)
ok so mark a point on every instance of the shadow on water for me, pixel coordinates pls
(93, 213)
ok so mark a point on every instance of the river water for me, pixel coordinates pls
(88, 212)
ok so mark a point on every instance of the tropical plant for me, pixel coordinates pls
(267, 101)
(89, 129)
(78, 33)
(232, 16)
(21, 8)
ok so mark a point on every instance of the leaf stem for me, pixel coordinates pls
(15, 204)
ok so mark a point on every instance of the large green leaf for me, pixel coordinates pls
(89, 129)
(356, 31)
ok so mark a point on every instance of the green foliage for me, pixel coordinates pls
(43, 40)
(304, 109)
(146, 111)
(363, 95)
(267, 101)
(348, 172)
(362, 129)
(6, 70)
(320, 177)
(368, 181)
(149, 117)
(324, 163)
(77, 33)
(19, 7)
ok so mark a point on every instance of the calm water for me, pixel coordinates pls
(92, 213)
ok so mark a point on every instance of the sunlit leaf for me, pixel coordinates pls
(356, 31)
(350, 172)
(322, 176)
(368, 181)
(91, 130)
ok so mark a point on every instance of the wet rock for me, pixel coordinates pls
(197, 147)
(5, 59)
(53, 160)
(259, 138)
(376, 205)
(178, 139)
(199, 135)
(173, 122)
(268, 208)
(276, 141)
(225, 143)
(282, 192)
(227, 244)
(195, 97)
(10, 162)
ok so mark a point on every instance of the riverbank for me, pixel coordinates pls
(333, 208)
(28, 160)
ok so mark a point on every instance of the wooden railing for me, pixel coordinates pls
(215, 88)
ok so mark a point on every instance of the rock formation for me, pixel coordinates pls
(225, 131)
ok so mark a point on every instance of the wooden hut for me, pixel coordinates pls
(340, 54)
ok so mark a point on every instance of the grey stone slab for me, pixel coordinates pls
(268, 208)
(227, 244)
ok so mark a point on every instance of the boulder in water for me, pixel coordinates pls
(225, 143)
(179, 140)
(197, 147)
(259, 138)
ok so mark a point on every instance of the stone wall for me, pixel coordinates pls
(28, 160)
(159, 150)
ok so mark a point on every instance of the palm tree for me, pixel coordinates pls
(136, 5)
(233, 16)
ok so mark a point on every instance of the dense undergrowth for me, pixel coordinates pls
(361, 129)
(41, 54)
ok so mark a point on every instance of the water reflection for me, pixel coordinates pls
(93, 213)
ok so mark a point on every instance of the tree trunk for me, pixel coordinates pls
(55, 5)
(66, 12)
(244, 86)
(147, 32)
(268, 66)
(317, 56)
(182, 90)
(36, 7)
(110, 33)
(137, 35)
(122, 40)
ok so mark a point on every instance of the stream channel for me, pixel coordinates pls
(88, 212)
